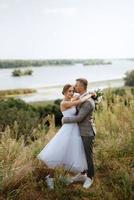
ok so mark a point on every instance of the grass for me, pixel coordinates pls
(22, 175)
(14, 92)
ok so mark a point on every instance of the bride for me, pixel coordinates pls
(66, 149)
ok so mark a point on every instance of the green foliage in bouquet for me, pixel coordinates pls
(99, 95)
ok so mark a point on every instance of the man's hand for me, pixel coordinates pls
(94, 95)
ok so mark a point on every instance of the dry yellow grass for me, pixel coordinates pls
(22, 175)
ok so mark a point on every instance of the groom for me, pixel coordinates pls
(84, 118)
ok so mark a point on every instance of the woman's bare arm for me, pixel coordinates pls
(68, 104)
(76, 97)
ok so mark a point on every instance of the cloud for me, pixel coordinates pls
(4, 5)
(18, 1)
(62, 11)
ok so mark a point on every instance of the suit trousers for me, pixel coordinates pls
(88, 146)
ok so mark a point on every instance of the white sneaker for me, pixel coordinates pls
(88, 182)
(79, 177)
(50, 182)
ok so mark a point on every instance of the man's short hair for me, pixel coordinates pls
(83, 81)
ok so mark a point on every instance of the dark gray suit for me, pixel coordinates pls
(84, 118)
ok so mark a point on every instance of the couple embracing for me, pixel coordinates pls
(72, 146)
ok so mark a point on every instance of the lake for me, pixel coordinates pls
(49, 80)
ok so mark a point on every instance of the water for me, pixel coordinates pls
(49, 79)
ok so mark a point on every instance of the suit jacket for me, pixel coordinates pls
(84, 118)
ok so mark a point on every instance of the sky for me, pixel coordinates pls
(53, 29)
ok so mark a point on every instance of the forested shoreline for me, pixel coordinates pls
(50, 62)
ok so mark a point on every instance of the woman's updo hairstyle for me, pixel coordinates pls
(65, 88)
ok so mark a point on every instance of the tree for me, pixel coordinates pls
(129, 79)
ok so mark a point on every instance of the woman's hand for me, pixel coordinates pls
(76, 97)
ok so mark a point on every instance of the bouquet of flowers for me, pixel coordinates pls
(98, 96)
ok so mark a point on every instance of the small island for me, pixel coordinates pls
(96, 62)
(18, 72)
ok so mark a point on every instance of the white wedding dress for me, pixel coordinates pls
(65, 149)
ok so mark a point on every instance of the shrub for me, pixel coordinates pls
(16, 72)
(129, 79)
(132, 91)
(119, 91)
(52, 109)
(25, 115)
